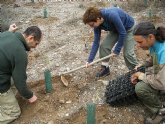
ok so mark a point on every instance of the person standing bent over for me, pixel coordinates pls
(13, 64)
(120, 27)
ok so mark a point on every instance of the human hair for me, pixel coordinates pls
(146, 28)
(91, 15)
(34, 31)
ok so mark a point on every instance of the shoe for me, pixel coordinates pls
(158, 118)
(104, 71)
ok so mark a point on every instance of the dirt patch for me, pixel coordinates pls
(37, 5)
(67, 105)
(44, 21)
(154, 19)
(105, 116)
(48, 105)
(7, 1)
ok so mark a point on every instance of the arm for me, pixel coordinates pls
(19, 74)
(95, 46)
(114, 17)
(148, 63)
(157, 80)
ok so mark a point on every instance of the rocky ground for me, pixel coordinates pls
(66, 44)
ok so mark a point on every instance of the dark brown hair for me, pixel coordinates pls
(91, 15)
(146, 28)
(34, 31)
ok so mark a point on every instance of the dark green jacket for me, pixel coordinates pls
(13, 63)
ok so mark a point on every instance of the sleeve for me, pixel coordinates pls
(148, 62)
(19, 74)
(162, 57)
(115, 18)
(157, 81)
(95, 45)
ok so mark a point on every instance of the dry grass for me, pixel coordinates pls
(35, 5)
(154, 19)
(7, 1)
(44, 21)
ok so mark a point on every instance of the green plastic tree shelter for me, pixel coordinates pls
(0, 24)
(91, 113)
(45, 12)
(150, 13)
(145, 2)
(48, 81)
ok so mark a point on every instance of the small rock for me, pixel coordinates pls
(67, 114)
(62, 101)
(69, 101)
(80, 86)
(27, 22)
(104, 82)
(78, 62)
(57, 65)
(103, 121)
(51, 122)
(16, 5)
(81, 6)
(122, 67)
(67, 69)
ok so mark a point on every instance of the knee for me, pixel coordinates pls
(17, 111)
(140, 88)
(9, 114)
(102, 50)
(102, 46)
(15, 114)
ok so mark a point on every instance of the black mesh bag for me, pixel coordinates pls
(121, 91)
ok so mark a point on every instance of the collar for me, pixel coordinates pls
(22, 39)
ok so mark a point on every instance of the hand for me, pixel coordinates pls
(33, 99)
(135, 77)
(87, 64)
(136, 67)
(13, 28)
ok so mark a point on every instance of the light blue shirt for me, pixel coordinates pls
(159, 49)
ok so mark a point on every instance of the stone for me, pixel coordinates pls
(62, 101)
(16, 5)
(51, 122)
(69, 101)
(27, 22)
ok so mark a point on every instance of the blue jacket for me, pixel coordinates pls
(116, 20)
